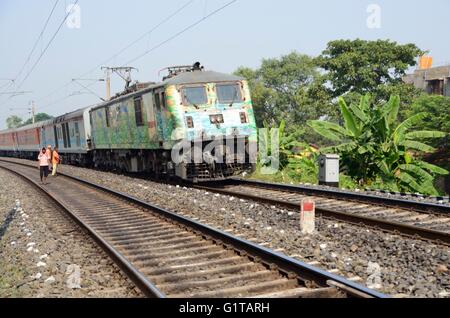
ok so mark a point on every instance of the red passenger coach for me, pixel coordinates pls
(7, 141)
(29, 140)
(24, 142)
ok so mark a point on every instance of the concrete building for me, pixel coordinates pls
(433, 80)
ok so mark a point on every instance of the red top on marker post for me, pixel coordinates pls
(307, 206)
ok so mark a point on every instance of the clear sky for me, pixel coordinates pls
(240, 35)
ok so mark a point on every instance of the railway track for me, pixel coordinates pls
(422, 220)
(167, 255)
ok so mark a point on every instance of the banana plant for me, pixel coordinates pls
(373, 145)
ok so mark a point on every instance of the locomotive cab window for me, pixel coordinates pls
(228, 93)
(194, 96)
(138, 112)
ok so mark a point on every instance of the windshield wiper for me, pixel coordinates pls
(234, 98)
(191, 103)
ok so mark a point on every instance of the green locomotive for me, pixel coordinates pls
(197, 125)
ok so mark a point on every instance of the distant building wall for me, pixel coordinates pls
(434, 80)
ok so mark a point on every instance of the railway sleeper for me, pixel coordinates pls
(126, 227)
(243, 291)
(206, 274)
(175, 253)
(327, 292)
(200, 266)
(173, 287)
(145, 237)
(137, 233)
(184, 245)
(175, 260)
(149, 244)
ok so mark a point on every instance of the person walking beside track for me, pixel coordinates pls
(44, 160)
(55, 161)
(50, 155)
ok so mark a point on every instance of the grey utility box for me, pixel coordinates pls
(329, 170)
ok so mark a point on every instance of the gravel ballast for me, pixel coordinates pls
(43, 254)
(390, 263)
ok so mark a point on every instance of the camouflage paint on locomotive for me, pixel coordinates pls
(166, 118)
(170, 124)
(115, 127)
(176, 128)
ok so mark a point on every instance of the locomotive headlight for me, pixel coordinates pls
(189, 122)
(243, 116)
(216, 119)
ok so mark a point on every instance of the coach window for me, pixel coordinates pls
(68, 136)
(163, 100)
(138, 112)
(157, 101)
(64, 134)
(107, 116)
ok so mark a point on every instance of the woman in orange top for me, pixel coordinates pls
(55, 160)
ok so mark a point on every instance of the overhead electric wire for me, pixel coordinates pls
(165, 20)
(89, 90)
(37, 40)
(46, 48)
(148, 51)
(181, 32)
(168, 18)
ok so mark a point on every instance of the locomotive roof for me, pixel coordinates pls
(197, 77)
(194, 77)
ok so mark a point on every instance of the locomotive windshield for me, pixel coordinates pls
(228, 93)
(195, 95)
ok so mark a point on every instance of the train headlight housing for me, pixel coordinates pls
(244, 119)
(216, 119)
(189, 122)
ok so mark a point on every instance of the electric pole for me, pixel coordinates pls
(108, 83)
(124, 72)
(33, 111)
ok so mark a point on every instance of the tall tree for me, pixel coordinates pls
(376, 67)
(38, 118)
(13, 121)
(287, 88)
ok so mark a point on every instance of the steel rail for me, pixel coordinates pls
(390, 226)
(138, 278)
(266, 256)
(426, 207)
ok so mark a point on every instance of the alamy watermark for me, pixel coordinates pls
(73, 20)
(374, 18)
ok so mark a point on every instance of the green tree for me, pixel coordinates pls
(438, 109)
(13, 121)
(359, 66)
(38, 118)
(374, 146)
(288, 88)
(439, 118)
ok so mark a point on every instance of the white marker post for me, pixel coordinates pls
(308, 217)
